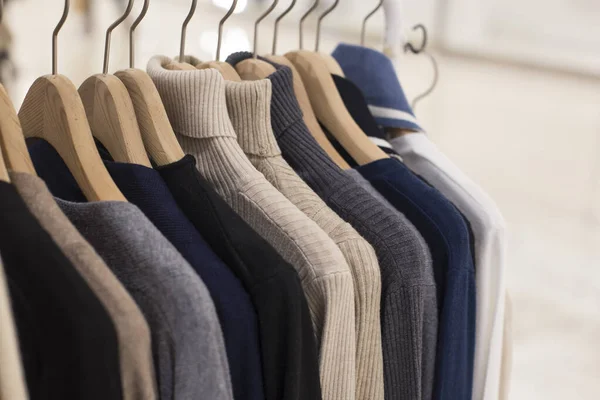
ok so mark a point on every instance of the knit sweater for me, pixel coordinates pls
(189, 351)
(249, 104)
(68, 343)
(408, 288)
(135, 352)
(287, 343)
(430, 317)
(423, 157)
(187, 340)
(12, 381)
(196, 106)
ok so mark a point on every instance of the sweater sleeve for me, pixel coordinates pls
(331, 303)
(406, 331)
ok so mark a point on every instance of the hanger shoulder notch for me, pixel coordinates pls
(156, 130)
(227, 71)
(12, 141)
(53, 111)
(330, 108)
(112, 119)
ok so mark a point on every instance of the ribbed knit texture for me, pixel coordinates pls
(195, 103)
(402, 255)
(430, 317)
(288, 348)
(12, 379)
(249, 108)
(135, 351)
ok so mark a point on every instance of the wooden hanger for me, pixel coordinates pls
(330, 109)
(309, 115)
(53, 111)
(3, 171)
(156, 130)
(254, 69)
(226, 70)
(327, 103)
(110, 111)
(12, 141)
(332, 65)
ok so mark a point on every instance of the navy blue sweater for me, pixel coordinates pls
(145, 188)
(447, 235)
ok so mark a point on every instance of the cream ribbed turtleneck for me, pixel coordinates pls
(249, 106)
(196, 106)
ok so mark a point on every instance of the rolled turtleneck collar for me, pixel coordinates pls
(285, 110)
(249, 105)
(194, 100)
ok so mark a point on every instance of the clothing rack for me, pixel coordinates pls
(268, 227)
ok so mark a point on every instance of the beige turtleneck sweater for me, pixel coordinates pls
(196, 106)
(249, 106)
(135, 351)
(12, 377)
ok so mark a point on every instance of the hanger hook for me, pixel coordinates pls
(422, 49)
(221, 23)
(258, 21)
(132, 30)
(321, 18)
(306, 14)
(410, 47)
(109, 34)
(55, 36)
(276, 26)
(364, 24)
(184, 29)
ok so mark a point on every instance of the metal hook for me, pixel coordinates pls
(276, 26)
(132, 30)
(1, 10)
(421, 50)
(306, 14)
(411, 48)
(55, 36)
(433, 84)
(364, 24)
(258, 21)
(221, 23)
(109, 34)
(321, 18)
(184, 29)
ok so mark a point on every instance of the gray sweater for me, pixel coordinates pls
(430, 317)
(187, 342)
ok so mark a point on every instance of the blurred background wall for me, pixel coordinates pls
(517, 107)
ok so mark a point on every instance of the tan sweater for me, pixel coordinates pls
(249, 106)
(135, 352)
(195, 104)
(12, 378)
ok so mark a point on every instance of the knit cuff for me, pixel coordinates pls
(194, 100)
(249, 105)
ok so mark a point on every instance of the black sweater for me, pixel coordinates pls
(289, 351)
(68, 342)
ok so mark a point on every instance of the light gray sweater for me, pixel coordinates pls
(187, 342)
